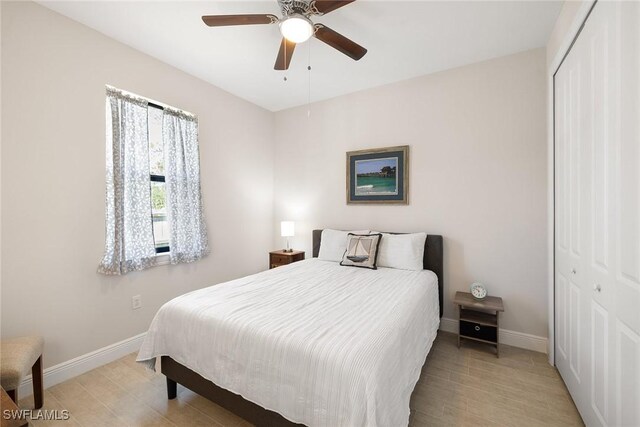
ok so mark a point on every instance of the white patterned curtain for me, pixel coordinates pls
(129, 233)
(187, 230)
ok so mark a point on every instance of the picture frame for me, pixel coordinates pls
(378, 176)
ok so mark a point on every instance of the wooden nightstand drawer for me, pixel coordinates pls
(279, 258)
(478, 331)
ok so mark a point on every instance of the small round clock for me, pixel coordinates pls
(478, 290)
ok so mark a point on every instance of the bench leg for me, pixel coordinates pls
(13, 394)
(172, 388)
(38, 386)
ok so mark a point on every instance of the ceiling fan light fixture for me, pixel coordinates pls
(296, 28)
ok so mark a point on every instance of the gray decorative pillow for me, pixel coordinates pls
(362, 250)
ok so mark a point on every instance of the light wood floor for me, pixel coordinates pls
(466, 387)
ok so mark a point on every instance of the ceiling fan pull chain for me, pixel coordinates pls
(286, 69)
(309, 93)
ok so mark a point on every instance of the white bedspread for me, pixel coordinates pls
(319, 343)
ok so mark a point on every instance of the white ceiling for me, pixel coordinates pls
(405, 39)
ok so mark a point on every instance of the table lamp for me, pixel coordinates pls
(287, 229)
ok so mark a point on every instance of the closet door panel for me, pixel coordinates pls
(561, 317)
(572, 197)
(575, 323)
(628, 165)
(588, 318)
(600, 382)
(568, 251)
(562, 171)
(575, 162)
(600, 40)
(575, 197)
(628, 376)
(600, 148)
(627, 221)
(628, 179)
(562, 217)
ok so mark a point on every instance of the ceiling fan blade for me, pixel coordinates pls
(225, 20)
(284, 55)
(326, 6)
(339, 42)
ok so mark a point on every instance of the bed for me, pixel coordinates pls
(311, 343)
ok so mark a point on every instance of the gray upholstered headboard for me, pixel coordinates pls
(433, 258)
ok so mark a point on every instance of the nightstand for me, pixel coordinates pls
(478, 319)
(278, 258)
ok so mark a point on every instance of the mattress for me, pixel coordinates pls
(319, 343)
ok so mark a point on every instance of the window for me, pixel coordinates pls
(158, 181)
(153, 197)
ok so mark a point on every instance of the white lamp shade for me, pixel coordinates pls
(287, 228)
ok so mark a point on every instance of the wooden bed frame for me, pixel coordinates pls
(180, 374)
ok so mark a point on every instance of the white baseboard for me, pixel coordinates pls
(81, 364)
(513, 338)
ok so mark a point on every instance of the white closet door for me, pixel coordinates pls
(572, 217)
(597, 118)
(626, 270)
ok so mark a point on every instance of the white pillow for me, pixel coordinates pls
(333, 244)
(402, 251)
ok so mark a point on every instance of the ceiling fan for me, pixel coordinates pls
(296, 27)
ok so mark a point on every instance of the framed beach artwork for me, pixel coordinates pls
(378, 175)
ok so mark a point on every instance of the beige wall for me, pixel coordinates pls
(54, 72)
(478, 173)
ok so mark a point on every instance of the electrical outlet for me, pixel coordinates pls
(136, 302)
